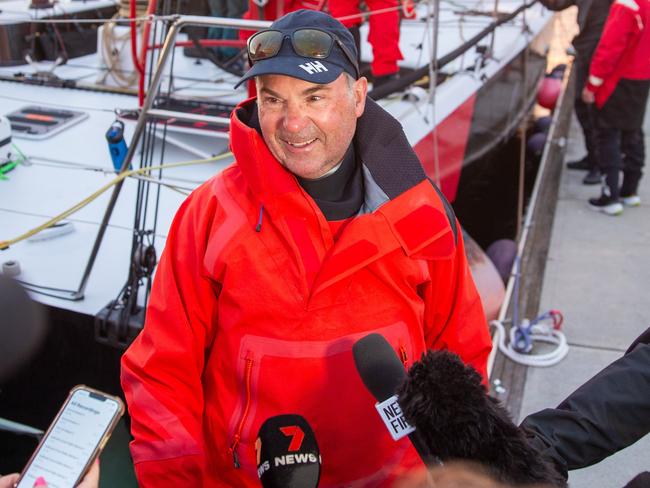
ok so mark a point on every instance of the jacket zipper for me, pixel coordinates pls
(242, 421)
(403, 356)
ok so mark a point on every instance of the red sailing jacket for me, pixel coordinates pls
(624, 49)
(255, 308)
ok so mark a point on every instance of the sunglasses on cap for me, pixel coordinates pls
(306, 42)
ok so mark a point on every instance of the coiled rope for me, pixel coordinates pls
(522, 338)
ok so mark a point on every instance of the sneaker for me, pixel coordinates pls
(631, 200)
(582, 164)
(592, 178)
(607, 205)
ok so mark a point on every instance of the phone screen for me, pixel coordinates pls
(72, 439)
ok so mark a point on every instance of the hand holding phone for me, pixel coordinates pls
(74, 440)
(91, 480)
(9, 480)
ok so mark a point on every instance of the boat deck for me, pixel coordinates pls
(597, 274)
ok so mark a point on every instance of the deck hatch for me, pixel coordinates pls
(34, 122)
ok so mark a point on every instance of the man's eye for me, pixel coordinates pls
(315, 98)
(271, 100)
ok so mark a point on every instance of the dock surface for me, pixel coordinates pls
(598, 276)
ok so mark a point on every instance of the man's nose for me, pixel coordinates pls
(294, 118)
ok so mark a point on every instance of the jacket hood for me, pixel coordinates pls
(390, 166)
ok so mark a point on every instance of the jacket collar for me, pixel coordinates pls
(379, 142)
(266, 177)
(418, 222)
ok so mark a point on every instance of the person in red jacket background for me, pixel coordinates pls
(618, 83)
(383, 34)
(325, 229)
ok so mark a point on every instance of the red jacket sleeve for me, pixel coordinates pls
(454, 318)
(161, 371)
(621, 25)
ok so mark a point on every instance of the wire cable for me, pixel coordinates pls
(75, 208)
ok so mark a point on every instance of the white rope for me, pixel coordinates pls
(540, 332)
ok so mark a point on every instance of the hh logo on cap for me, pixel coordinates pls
(313, 67)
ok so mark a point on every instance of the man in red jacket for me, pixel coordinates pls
(618, 83)
(324, 229)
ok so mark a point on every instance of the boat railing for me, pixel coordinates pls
(149, 111)
(536, 224)
(177, 22)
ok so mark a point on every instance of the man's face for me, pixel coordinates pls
(309, 127)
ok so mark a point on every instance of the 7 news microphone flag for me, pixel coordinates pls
(287, 453)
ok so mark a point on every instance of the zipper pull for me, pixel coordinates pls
(404, 356)
(233, 450)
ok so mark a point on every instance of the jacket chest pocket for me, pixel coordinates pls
(318, 380)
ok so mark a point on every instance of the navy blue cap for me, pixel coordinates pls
(287, 62)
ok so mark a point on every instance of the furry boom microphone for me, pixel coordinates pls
(446, 402)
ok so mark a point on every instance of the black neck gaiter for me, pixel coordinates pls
(339, 195)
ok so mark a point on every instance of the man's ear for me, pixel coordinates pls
(360, 90)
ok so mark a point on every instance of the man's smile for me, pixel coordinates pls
(299, 144)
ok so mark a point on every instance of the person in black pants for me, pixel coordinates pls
(608, 413)
(627, 145)
(592, 15)
(618, 87)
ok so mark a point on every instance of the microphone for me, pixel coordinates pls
(457, 419)
(383, 373)
(22, 327)
(287, 453)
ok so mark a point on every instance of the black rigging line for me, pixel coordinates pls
(151, 133)
(124, 308)
(160, 170)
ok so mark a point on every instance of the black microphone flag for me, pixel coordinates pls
(287, 453)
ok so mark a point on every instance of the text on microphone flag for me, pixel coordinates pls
(392, 416)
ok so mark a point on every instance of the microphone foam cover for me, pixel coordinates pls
(379, 367)
(287, 453)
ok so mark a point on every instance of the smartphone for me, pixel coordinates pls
(74, 439)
